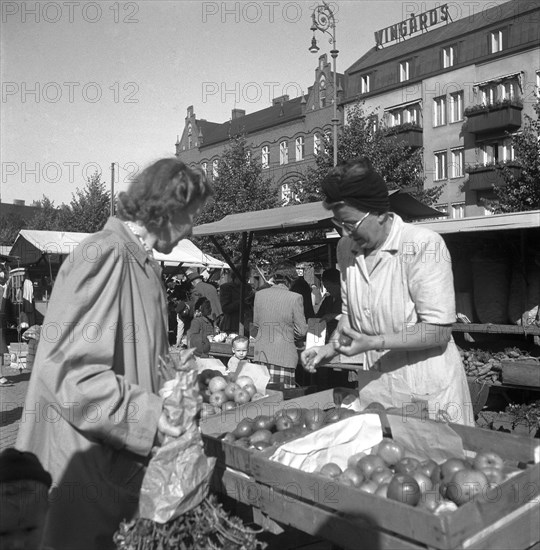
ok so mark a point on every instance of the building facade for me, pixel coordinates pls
(286, 136)
(459, 90)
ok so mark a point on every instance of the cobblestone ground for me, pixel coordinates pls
(11, 404)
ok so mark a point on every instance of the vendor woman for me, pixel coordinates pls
(398, 302)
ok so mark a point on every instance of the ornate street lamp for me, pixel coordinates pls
(323, 20)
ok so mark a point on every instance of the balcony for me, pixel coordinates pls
(484, 177)
(503, 115)
(410, 134)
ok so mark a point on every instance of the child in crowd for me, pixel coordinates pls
(24, 500)
(201, 327)
(240, 347)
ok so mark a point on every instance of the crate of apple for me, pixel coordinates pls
(289, 423)
(438, 488)
(222, 392)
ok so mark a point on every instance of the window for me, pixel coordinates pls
(365, 83)
(299, 148)
(488, 211)
(449, 56)
(283, 153)
(507, 150)
(285, 193)
(490, 94)
(443, 208)
(411, 114)
(496, 41)
(404, 68)
(395, 117)
(458, 210)
(204, 167)
(439, 114)
(456, 106)
(489, 153)
(265, 156)
(508, 89)
(440, 166)
(316, 144)
(190, 140)
(322, 91)
(458, 162)
(215, 168)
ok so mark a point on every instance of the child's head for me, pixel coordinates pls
(203, 306)
(24, 500)
(240, 347)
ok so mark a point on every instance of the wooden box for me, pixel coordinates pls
(525, 372)
(507, 516)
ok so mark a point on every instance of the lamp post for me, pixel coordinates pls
(112, 188)
(323, 20)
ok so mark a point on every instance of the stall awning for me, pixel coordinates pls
(304, 217)
(30, 246)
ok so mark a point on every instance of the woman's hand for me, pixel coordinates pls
(312, 357)
(351, 342)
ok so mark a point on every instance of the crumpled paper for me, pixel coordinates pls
(333, 443)
(178, 475)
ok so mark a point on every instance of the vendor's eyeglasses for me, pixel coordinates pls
(348, 227)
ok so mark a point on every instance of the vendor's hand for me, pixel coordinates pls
(351, 342)
(311, 358)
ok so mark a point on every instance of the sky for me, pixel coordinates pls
(88, 84)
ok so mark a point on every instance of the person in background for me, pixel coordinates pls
(316, 297)
(201, 327)
(301, 286)
(24, 500)
(398, 302)
(100, 374)
(240, 347)
(183, 321)
(229, 295)
(201, 289)
(279, 321)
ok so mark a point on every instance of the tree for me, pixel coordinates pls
(89, 208)
(9, 229)
(364, 135)
(521, 192)
(47, 217)
(240, 186)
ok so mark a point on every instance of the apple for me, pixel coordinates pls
(218, 383)
(230, 389)
(424, 482)
(369, 486)
(296, 414)
(353, 475)
(495, 475)
(430, 500)
(450, 467)
(263, 422)
(332, 416)
(314, 419)
(242, 397)
(407, 465)
(243, 381)
(261, 445)
(430, 469)
(228, 406)
(352, 461)
(465, 485)
(487, 459)
(382, 476)
(382, 490)
(283, 423)
(369, 464)
(217, 399)
(390, 451)
(330, 469)
(228, 437)
(251, 389)
(404, 488)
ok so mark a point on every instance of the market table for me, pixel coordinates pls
(278, 495)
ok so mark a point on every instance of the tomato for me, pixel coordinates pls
(263, 422)
(352, 461)
(487, 459)
(230, 389)
(296, 414)
(430, 469)
(369, 464)
(424, 482)
(382, 490)
(450, 467)
(260, 435)
(369, 486)
(244, 428)
(391, 451)
(332, 415)
(261, 445)
(330, 469)
(283, 423)
(404, 488)
(242, 397)
(465, 485)
(407, 465)
(217, 398)
(251, 389)
(351, 476)
(382, 476)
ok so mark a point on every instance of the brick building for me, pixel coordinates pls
(458, 89)
(285, 136)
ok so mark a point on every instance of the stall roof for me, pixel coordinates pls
(304, 217)
(31, 245)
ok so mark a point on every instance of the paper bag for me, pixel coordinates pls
(210, 363)
(333, 443)
(258, 373)
(316, 334)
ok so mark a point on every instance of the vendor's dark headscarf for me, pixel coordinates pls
(356, 183)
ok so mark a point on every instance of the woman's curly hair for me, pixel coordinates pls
(161, 191)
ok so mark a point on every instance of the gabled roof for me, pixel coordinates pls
(476, 20)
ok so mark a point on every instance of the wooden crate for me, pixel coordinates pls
(525, 372)
(505, 517)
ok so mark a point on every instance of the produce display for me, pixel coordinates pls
(389, 473)
(486, 366)
(222, 392)
(265, 431)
